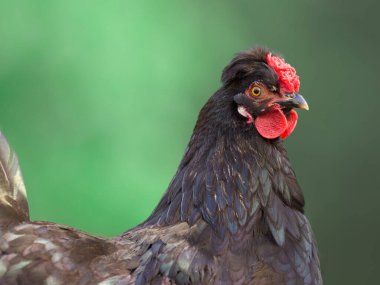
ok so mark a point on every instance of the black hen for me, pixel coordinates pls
(233, 213)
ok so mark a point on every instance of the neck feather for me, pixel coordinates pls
(226, 177)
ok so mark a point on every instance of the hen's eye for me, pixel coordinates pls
(256, 91)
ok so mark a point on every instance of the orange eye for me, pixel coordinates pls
(256, 91)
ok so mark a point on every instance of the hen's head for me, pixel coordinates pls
(263, 90)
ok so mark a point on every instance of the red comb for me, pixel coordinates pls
(289, 80)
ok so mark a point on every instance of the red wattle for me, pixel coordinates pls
(272, 124)
(292, 122)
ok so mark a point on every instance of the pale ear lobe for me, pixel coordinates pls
(243, 111)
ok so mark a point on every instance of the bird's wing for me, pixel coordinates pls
(292, 249)
(46, 253)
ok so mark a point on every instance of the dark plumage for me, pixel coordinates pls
(233, 213)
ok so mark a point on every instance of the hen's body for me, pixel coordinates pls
(233, 214)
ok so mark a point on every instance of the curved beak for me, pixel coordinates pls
(294, 101)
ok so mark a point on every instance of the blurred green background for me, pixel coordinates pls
(99, 99)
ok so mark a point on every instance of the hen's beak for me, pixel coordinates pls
(294, 101)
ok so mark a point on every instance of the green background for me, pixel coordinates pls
(99, 99)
